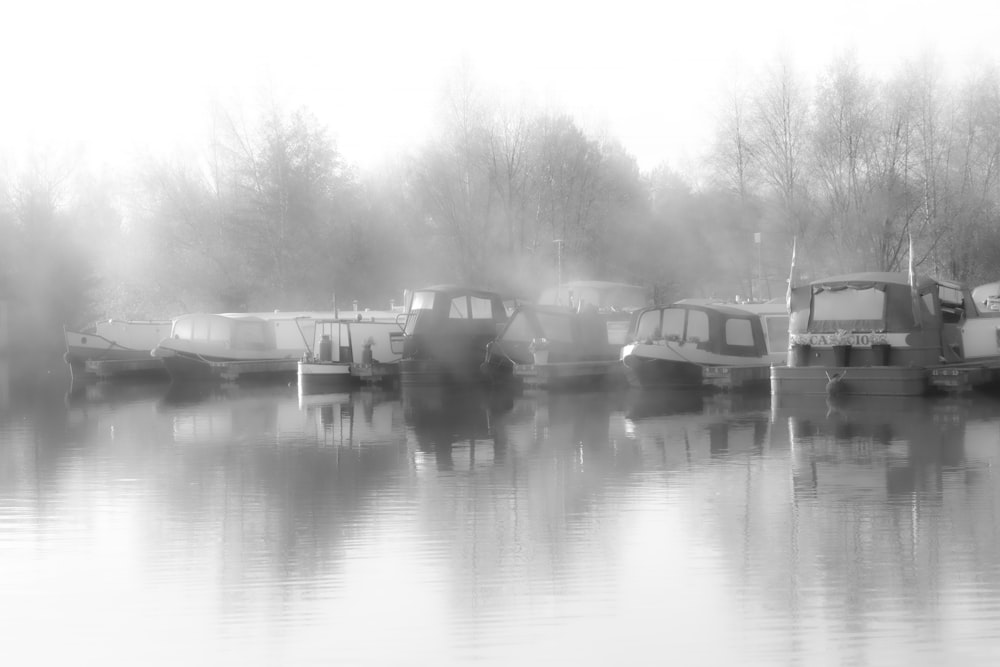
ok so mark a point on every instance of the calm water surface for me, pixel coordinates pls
(250, 526)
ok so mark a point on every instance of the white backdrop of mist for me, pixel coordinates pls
(115, 79)
(113, 84)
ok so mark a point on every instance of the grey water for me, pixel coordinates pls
(145, 524)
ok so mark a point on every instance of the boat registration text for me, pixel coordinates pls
(863, 339)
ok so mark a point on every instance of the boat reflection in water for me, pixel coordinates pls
(889, 448)
(443, 419)
(685, 427)
(896, 501)
(428, 525)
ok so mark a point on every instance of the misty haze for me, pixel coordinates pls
(521, 334)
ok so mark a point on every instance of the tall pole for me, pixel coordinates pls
(760, 292)
(559, 244)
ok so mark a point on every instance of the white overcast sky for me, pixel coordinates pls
(119, 77)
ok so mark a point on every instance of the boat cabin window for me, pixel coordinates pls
(950, 295)
(697, 326)
(422, 301)
(673, 323)
(556, 328)
(648, 326)
(739, 332)
(777, 333)
(952, 304)
(183, 328)
(459, 308)
(419, 301)
(831, 305)
(481, 308)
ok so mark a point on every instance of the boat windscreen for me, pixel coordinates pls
(951, 296)
(183, 328)
(648, 326)
(777, 333)
(422, 301)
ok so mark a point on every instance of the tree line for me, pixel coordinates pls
(508, 197)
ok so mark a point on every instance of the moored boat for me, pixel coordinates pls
(115, 348)
(553, 346)
(230, 346)
(349, 351)
(700, 343)
(887, 334)
(444, 332)
(614, 302)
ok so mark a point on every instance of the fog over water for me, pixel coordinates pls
(252, 525)
(236, 157)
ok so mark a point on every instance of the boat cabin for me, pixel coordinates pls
(613, 301)
(445, 330)
(230, 335)
(722, 329)
(567, 335)
(688, 343)
(353, 340)
(880, 318)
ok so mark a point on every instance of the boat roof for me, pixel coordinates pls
(458, 289)
(772, 307)
(267, 316)
(888, 277)
(599, 284)
(552, 308)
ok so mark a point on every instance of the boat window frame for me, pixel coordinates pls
(480, 307)
(774, 343)
(461, 312)
(746, 332)
(832, 325)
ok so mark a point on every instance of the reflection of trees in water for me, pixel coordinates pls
(273, 487)
(238, 475)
